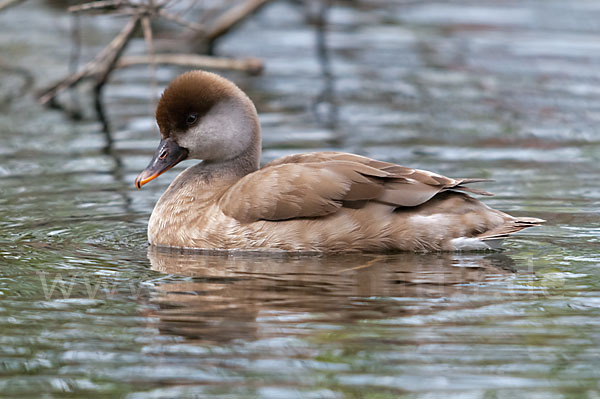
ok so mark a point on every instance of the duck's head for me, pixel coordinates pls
(204, 116)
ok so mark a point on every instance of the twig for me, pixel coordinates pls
(210, 13)
(85, 72)
(230, 18)
(99, 5)
(109, 57)
(178, 20)
(147, 29)
(117, 46)
(253, 66)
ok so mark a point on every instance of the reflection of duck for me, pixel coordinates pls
(324, 201)
(235, 296)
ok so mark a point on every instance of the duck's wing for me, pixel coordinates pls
(318, 184)
(410, 175)
(298, 190)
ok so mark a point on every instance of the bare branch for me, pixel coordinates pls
(180, 21)
(94, 67)
(230, 18)
(110, 57)
(252, 66)
(108, 5)
(147, 28)
(117, 45)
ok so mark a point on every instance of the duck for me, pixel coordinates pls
(310, 202)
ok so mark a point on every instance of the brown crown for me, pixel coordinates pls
(195, 91)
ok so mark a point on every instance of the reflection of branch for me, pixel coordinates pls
(27, 82)
(75, 54)
(327, 95)
(251, 65)
(370, 263)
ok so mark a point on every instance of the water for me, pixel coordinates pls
(504, 90)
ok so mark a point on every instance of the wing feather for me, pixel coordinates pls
(318, 184)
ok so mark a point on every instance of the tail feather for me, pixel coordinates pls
(511, 226)
(471, 190)
(530, 221)
(460, 186)
(469, 180)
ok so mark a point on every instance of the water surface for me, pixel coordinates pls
(502, 90)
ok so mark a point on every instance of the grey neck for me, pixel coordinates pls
(238, 167)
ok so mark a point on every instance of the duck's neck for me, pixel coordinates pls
(208, 179)
(246, 162)
(236, 168)
(245, 141)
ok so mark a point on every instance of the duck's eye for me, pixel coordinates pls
(191, 118)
